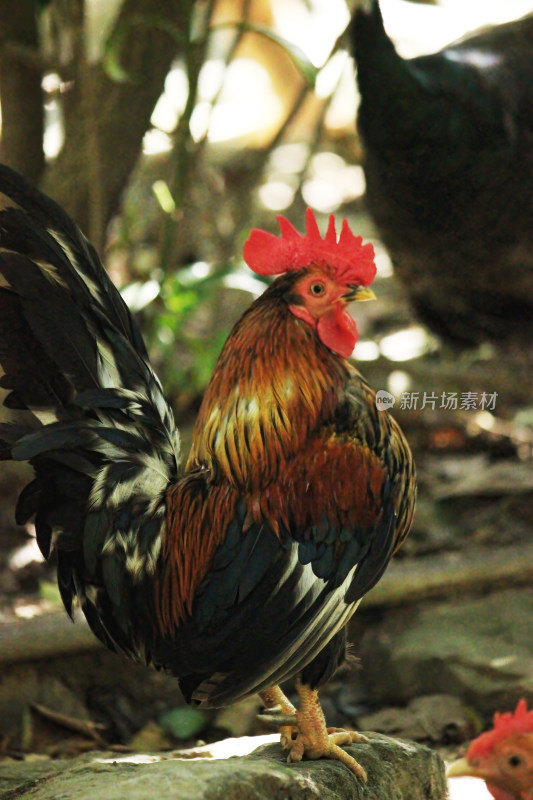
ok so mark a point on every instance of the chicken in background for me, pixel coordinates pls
(503, 756)
(448, 159)
(242, 569)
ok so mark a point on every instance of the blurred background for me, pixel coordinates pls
(168, 130)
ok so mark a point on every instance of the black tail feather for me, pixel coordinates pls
(92, 417)
(47, 216)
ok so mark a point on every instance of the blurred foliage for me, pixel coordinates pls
(181, 296)
(189, 195)
(204, 205)
(193, 194)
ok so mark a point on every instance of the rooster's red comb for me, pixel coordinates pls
(349, 259)
(510, 723)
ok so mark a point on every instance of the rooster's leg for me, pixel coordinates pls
(314, 740)
(275, 703)
(304, 732)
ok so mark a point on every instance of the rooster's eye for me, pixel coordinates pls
(317, 289)
(515, 761)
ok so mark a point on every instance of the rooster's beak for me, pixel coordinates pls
(462, 769)
(359, 293)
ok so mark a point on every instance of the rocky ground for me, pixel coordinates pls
(397, 771)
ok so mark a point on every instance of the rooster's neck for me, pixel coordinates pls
(273, 386)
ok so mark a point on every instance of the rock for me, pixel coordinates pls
(151, 738)
(18, 776)
(479, 649)
(398, 770)
(435, 718)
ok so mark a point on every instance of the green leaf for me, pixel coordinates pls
(114, 46)
(183, 722)
(112, 50)
(163, 196)
(49, 591)
(298, 57)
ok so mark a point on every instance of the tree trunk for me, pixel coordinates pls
(20, 89)
(105, 121)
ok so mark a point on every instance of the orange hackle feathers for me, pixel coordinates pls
(517, 723)
(262, 402)
(351, 261)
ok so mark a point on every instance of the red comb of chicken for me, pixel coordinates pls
(511, 723)
(348, 258)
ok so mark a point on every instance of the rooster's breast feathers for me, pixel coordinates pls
(290, 560)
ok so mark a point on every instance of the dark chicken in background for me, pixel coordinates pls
(240, 570)
(448, 159)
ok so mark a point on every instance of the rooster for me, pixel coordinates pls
(503, 756)
(240, 570)
(447, 141)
